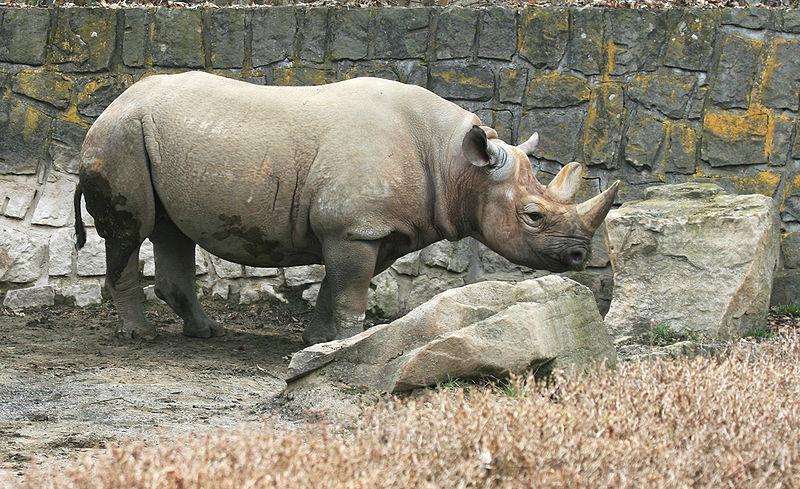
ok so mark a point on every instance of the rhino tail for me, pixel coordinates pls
(80, 230)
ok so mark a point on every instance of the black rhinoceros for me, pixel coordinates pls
(353, 174)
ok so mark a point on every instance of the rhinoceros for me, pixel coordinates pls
(353, 175)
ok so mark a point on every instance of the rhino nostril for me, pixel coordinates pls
(576, 257)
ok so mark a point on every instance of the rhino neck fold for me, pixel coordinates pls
(441, 128)
(456, 199)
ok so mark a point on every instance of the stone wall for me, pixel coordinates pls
(646, 97)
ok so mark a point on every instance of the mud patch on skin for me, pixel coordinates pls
(114, 224)
(256, 244)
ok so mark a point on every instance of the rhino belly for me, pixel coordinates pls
(244, 210)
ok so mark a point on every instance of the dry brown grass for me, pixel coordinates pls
(728, 421)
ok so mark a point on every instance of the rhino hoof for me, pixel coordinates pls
(207, 329)
(345, 333)
(312, 336)
(147, 332)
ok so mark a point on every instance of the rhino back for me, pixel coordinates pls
(259, 174)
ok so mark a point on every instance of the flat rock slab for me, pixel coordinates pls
(692, 259)
(484, 329)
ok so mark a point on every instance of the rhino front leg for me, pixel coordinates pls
(342, 300)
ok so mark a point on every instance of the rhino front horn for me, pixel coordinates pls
(593, 211)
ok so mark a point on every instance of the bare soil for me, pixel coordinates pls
(68, 385)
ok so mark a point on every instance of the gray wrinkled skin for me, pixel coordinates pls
(353, 175)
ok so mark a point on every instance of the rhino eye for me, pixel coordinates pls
(533, 218)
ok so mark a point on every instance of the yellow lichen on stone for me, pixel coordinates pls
(303, 76)
(32, 119)
(699, 173)
(90, 87)
(556, 81)
(790, 187)
(737, 127)
(44, 84)
(71, 115)
(686, 136)
(771, 63)
(453, 76)
(611, 60)
(597, 133)
(689, 143)
(765, 182)
(770, 136)
(591, 116)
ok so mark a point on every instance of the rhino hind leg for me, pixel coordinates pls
(115, 182)
(175, 279)
(321, 329)
(122, 280)
(342, 299)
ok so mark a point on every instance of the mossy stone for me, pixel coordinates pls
(555, 89)
(23, 35)
(84, 38)
(178, 40)
(45, 85)
(543, 35)
(603, 126)
(464, 83)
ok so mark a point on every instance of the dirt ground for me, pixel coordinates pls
(68, 386)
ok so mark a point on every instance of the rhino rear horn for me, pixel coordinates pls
(593, 211)
(529, 146)
(566, 184)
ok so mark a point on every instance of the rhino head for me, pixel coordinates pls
(528, 223)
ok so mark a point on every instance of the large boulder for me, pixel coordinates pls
(692, 260)
(483, 329)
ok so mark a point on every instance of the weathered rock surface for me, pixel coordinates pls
(693, 259)
(18, 197)
(259, 291)
(307, 274)
(51, 211)
(84, 294)
(43, 295)
(487, 328)
(62, 244)
(22, 255)
(92, 257)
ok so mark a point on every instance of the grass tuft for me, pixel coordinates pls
(451, 384)
(663, 335)
(760, 334)
(787, 310)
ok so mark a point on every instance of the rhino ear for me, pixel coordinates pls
(490, 133)
(529, 146)
(480, 151)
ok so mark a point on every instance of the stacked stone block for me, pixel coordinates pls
(643, 96)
